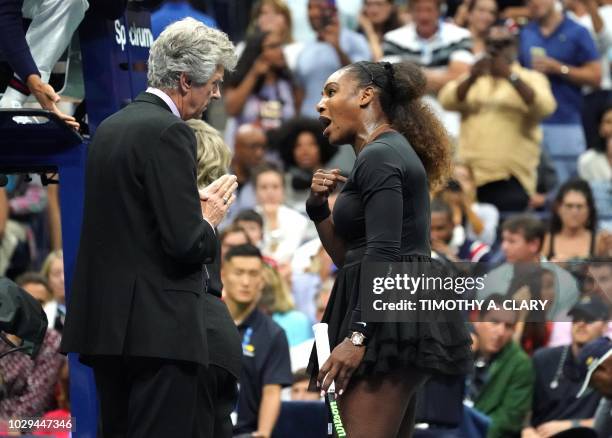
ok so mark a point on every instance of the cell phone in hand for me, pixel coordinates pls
(537, 52)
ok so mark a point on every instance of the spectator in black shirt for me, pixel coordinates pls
(558, 378)
(266, 366)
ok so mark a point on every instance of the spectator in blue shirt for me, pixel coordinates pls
(175, 10)
(562, 49)
(334, 48)
(266, 366)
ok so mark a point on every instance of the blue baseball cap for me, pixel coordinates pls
(591, 356)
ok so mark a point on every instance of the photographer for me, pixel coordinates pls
(500, 96)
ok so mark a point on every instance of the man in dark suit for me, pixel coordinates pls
(136, 312)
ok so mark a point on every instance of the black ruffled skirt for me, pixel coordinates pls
(430, 344)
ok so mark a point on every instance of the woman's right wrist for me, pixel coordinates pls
(317, 211)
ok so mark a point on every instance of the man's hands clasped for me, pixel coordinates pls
(217, 197)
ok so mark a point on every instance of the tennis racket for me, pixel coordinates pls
(323, 352)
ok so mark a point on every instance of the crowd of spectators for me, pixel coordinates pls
(523, 88)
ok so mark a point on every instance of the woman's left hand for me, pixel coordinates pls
(342, 362)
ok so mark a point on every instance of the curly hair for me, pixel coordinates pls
(286, 139)
(401, 87)
(213, 156)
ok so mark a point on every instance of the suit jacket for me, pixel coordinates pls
(506, 396)
(138, 284)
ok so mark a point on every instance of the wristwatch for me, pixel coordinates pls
(357, 339)
(564, 69)
(513, 78)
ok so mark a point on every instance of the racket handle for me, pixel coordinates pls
(322, 346)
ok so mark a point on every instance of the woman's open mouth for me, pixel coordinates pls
(325, 122)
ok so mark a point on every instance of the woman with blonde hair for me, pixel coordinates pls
(53, 271)
(213, 156)
(277, 302)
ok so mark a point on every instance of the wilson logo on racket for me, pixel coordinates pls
(338, 426)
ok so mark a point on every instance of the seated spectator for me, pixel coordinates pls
(252, 223)
(335, 47)
(303, 149)
(33, 54)
(603, 244)
(572, 230)
(477, 16)
(500, 96)
(502, 383)
(472, 209)
(14, 245)
(600, 268)
(261, 91)
(376, 19)
(322, 297)
(37, 285)
(569, 63)
(53, 271)
(271, 16)
(249, 152)
(522, 237)
(442, 243)
(27, 200)
(440, 47)
(28, 385)
(595, 165)
(232, 236)
(596, 362)
(284, 228)
(555, 407)
(299, 388)
(278, 303)
(266, 366)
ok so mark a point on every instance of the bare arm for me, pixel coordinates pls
(587, 74)
(4, 208)
(269, 409)
(235, 98)
(55, 220)
(436, 79)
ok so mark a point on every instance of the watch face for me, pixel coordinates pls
(357, 338)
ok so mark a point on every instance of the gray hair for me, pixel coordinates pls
(213, 156)
(188, 46)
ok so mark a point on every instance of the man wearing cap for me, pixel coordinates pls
(558, 377)
(596, 362)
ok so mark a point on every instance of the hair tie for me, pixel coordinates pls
(390, 75)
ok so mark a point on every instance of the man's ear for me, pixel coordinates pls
(184, 82)
(366, 95)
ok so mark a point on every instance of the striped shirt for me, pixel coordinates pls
(449, 43)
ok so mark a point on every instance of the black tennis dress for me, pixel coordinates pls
(383, 214)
